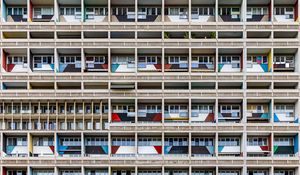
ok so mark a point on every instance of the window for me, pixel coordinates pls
(288, 12)
(16, 11)
(177, 141)
(255, 141)
(229, 141)
(284, 141)
(201, 141)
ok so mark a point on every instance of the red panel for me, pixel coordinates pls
(158, 149)
(104, 66)
(264, 148)
(157, 117)
(52, 148)
(10, 67)
(115, 117)
(30, 10)
(4, 171)
(4, 60)
(270, 142)
(270, 11)
(210, 117)
(114, 149)
(242, 60)
(168, 66)
(157, 66)
(296, 10)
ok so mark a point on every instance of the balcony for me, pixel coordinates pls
(285, 112)
(14, 11)
(16, 146)
(230, 60)
(176, 60)
(123, 112)
(176, 146)
(42, 146)
(123, 11)
(96, 60)
(149, 11)
(41, 11)
(123, 61)
(285, 146)
(203, 146)
(230, 112)
(69, 146)
(38, 171)
(203, 60)
(95, 11)
(173, 171)
(285, 60)
(259, 12)
(229, 11)
(149, 60)
(258, 112)
(229, 171)
(176, 11)
(149, 112)
(123, 146)
(202, 11)
(16, 170)
(229, 146)
(176, 111)
(149, 145)
(96, 146)
(259, 60)
(69, 60)
(70, 11)
(252, 171)
(42, 60)
(202, 112)
(280, 171)
(259, 146)
(285, 11)
(15, 60)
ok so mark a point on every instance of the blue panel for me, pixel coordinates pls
(62, 67)
(9, 149)
(52, 66)
(210, 149)
(264, 116)
(142, 65)
(167, 149)
(4, 12)
(296, 145)
(220, 149)
(276, 119)
(105, 149)
(195, 65)
(264, 67)
(114, 67)
(183, 65)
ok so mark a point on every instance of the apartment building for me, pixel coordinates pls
(149, 87)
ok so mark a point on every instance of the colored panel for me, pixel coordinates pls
(284, 150)
(270, 60)
(176, 149)
(96, 149)
(4, 11)
(296, 144)
(114, 67)
(30, 145)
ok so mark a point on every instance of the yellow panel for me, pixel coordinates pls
(270, 60)
(30, 144)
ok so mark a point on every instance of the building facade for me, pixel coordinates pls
(149, 87)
